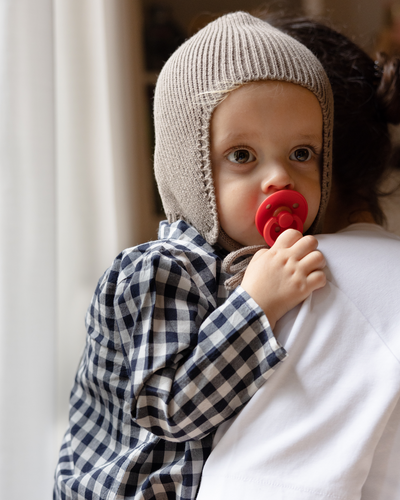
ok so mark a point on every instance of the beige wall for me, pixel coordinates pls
(359, 19)
(185, 11)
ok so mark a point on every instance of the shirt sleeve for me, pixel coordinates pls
(192, 365)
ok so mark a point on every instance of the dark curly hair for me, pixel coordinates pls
(367, 99)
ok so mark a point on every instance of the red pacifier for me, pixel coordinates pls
(282, 210)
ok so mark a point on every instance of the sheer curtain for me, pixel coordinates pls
(28, 249)
(74, 173)
(98, 89)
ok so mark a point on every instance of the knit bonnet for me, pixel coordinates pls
(232, 50)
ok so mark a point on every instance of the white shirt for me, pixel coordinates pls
(325, 423)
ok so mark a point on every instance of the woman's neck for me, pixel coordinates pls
(339, 217)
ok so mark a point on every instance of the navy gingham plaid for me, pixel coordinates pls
(169, 357)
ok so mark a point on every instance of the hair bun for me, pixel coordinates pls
(388, 91)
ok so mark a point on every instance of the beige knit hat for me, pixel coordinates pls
(232, 50)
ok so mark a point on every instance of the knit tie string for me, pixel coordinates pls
(236, 263)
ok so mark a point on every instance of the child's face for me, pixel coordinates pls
(265, 136)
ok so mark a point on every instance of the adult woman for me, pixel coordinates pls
(367, 101)
(326, 425)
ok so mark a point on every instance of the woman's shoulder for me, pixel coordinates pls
(359, 232)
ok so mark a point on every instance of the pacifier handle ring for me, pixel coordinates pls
(299, 223)
(290, 208)
(270, 226)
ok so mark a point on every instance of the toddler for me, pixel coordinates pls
(241, 111)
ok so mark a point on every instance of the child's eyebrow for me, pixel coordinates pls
(238, 137)
(310, 138)
(244, 137)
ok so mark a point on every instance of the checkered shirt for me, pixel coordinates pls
(169, 357)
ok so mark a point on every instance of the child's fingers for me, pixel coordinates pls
(304, 246)
(288, 238)
(312, 262)
(316, 280)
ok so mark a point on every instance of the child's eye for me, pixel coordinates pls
(241, 156)
(301, 154)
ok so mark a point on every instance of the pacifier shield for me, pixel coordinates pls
(282, 210)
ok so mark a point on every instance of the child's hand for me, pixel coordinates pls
(280, 278)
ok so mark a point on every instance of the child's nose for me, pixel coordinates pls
(276, 177)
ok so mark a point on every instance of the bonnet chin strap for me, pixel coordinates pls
(236, 263)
